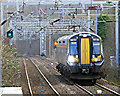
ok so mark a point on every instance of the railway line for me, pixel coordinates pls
(108, 89)
(32, 89)
(78, 87)
(28, 80)
(75, 85)
(104, 89)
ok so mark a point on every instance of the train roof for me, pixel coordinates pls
(69, 36)
(84, 32)
(64, 37)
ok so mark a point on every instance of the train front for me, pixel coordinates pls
(85, 55)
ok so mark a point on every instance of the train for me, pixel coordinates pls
(80, 56)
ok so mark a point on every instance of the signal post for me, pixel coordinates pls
(10, 36)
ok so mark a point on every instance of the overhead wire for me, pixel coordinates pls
(11, 16)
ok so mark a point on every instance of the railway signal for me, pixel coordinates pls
(55, 43)
(10, 33)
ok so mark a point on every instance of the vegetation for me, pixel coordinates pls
(102, 26)
(9, 65)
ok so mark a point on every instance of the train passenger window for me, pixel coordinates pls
(63, 41)
(96, 47)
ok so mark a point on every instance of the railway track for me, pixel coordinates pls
(88, 92)
(75, 85)
(28, 80)
(54, 90)
(108, 89)
(43, 76)
(99, 86)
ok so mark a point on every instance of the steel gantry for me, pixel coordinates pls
(57, 18)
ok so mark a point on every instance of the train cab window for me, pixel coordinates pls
(63, 41)
(96, 47)
(73, 48)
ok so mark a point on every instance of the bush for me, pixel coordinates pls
(102, 26)
(9, 65)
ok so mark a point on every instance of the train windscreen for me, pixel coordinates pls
(73, 48)
(96, 47)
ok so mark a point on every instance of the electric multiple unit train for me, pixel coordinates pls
(80, 56)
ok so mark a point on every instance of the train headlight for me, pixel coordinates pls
(71, 59)
(95, 60)
(98, 59)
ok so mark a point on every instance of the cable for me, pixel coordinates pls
(4, 21)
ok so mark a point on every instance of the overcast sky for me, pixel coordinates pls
(43, 0)
(53, 0)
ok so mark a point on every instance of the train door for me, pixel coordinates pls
(85, 51)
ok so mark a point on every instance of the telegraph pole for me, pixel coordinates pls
(117, 39)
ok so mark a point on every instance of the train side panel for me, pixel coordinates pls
(61, 52)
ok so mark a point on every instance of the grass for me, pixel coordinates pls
(111, 75)
(111, 82)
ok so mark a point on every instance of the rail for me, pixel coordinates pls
(28, 80)
(55, 91)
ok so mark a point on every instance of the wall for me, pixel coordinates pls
(24, 47)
